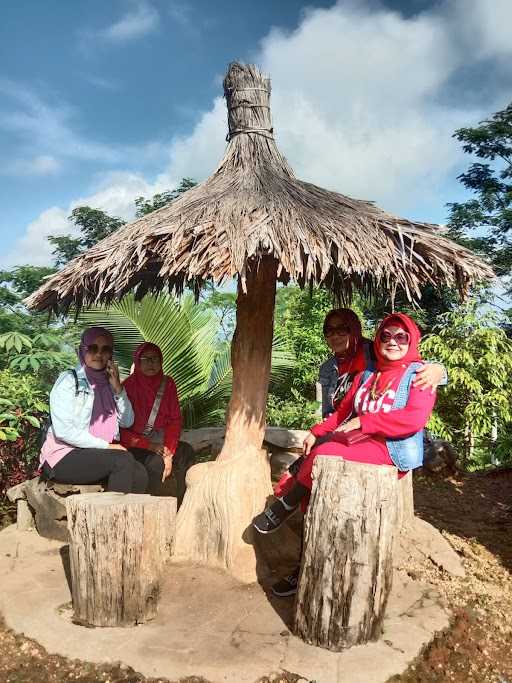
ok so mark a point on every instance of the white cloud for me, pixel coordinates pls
(46, 127)
(114, 194)
(41, 165)
(52, 132)
(197, 155)
(140, 21)
(33, 247)
(483, 27)
(360, 102)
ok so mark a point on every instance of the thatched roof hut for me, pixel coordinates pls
(252, 219)
(253, 205)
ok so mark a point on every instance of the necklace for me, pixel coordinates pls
(374, 393)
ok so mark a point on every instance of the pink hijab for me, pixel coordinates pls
(103, 422)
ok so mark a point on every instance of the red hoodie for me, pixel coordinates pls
(141, 391)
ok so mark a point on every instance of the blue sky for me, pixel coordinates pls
(101, 102)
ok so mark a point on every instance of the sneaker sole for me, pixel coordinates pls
(271, 531)
(288, 594)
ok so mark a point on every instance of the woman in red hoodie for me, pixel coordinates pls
(368, 425)
(154, 436)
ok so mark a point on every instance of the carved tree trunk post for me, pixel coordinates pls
(213, 524)
(347, 566)
(118, 549)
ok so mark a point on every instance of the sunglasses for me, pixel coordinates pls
(401, 338)
(94, 348)
(340, 329)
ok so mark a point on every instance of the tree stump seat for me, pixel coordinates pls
(42, 504)
(353, 519)
(119, 546)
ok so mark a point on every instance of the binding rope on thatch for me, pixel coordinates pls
(253, 206)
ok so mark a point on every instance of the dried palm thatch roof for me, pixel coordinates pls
(253, 205)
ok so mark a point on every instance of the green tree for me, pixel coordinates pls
(478, 399)
(145, 206)
(490, 210)
(94, 225)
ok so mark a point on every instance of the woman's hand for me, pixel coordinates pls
(308, 443)
(167, 456)
(156, 447)
(117, 447)
(113, 376)
(429, 377)
(354, 423)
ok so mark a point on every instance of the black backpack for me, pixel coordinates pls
(48, 422)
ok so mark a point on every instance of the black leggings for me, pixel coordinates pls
(91, 465)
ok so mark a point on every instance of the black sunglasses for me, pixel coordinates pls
(339, 329)
(94, 348)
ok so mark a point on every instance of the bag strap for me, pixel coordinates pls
(156, 407)
(75, 376)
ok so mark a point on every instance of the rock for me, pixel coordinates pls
(439, 457)
(422, 540)
(46, 501)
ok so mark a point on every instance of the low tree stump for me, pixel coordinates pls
(119, 546)
(347, 568)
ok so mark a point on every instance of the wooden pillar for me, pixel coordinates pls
(347, 565)
(118, 549)
(251, 356)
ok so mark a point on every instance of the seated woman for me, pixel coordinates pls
(380, 420)
(154, 436)
(87, 407)
(353, 353)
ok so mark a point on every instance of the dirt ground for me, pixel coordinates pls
(474, 512)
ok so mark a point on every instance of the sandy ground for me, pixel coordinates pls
(473, 512)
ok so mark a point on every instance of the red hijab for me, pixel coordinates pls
(142, 391)
(413, 354)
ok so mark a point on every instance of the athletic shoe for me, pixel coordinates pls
(287, 586)
(271, 519)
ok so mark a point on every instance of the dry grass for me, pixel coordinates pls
(253, 206)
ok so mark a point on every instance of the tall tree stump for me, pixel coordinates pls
(347, 565)
(118, 549)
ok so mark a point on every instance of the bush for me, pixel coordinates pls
(293, 413)
(23, 406)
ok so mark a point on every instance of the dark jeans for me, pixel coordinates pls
(91, 465)
(134, 471)
(184, 457)
(154, 466)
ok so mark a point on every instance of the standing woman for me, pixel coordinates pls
(88, 405)
(154, 436)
